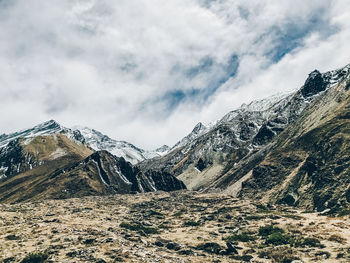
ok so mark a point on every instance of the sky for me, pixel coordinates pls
(146, 71)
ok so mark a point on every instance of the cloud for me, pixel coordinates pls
(147, 71)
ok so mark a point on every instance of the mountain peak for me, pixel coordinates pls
(162, 149)
(315, 72)
(198, 128)
(98, 141)
(49, 124)
(47, 127)
(314, 84)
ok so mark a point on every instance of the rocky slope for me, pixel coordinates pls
(308, 164)
(209, 152)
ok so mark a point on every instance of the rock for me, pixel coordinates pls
(210, 247)
(89, 241)
(291, 199)
(159, 243)
(314, 84)
(12, 237)
(230, 249)
(173, 246)
(186, 252)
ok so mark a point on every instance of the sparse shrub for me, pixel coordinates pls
(224, 210)
(164, 226)
(254, 217)
(141, 229)
(154, 213)
(118, 259)
(243, 237)
(210, 247)
(262, 208)
(191, 223)
(244, 258)
(340, 255)
(280, 254)
(36, 257)
(291, 216)
(323, 254)
(178, 214)
(312, 242)
(265, 231)
(278, 238)
(337, 238)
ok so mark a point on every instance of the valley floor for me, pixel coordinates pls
(168, 227)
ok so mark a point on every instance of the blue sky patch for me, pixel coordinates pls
(292, 34)
(219, 74)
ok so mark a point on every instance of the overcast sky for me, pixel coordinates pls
(146, 71)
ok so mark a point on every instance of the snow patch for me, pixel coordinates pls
(98, 141)
(121, 175)
(59, 152)
(99, 172)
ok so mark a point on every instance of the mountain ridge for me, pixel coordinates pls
(241, 132)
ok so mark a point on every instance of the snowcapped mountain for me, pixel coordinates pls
(198, 130)
(308, 163)
(14, 160)
(59, 162)
(129, 152)
(241, 131)
(162, 150)
(82, 135)
(55, 167)
(270, 114)
(46, 128)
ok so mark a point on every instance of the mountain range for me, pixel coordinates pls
(291, 148)
(51, 161)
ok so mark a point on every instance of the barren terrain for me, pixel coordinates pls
(168, 227)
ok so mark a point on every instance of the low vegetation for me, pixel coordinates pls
(145, 228)
(265, 231)
(243, 237)
(36, 257)
(141, 229)
(192, 223)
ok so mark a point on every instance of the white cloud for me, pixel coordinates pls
(146, 71)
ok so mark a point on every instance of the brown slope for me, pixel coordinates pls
(37, 158)
(23, 154)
